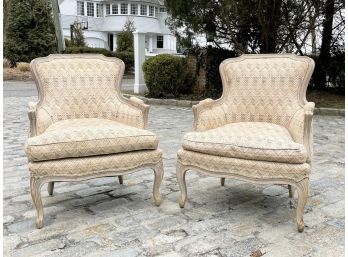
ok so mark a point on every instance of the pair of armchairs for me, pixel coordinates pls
(260, 130)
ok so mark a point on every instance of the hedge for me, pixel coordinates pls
(126, 57)
(165, 75)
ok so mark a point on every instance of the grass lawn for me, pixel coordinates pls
(325, 99)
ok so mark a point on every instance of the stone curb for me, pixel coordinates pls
(189, 103)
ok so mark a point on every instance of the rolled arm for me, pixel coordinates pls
(301, 128)
(32, 107)
(208, 114)
(133, 112)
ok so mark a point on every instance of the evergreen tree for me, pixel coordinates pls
(125, 40)
(29, 30)
(78, 37)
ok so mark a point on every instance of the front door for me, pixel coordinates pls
(111, 42)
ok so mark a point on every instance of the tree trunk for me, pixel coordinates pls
(324, 56)
(269, 16)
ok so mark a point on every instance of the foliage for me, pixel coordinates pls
(165, 75)
(78, 38)
(126, 57)
(125, 40)
(254, 26)
(309, 27)
(29, 30)
(23, 66)
(208, 61)
(335, 73)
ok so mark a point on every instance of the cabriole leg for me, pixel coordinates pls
(35, 186)
(158, 169)
(180, 176)
(302, 191)
(222, 181)
(120, 179)
(50, 187)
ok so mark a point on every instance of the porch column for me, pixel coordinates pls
(139, 59)
(150, 44)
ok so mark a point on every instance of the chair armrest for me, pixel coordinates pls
(133, 112)
(308, 129)
(301, 128)
(32, 106)
(208, 114)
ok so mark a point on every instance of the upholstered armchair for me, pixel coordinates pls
(83, 128)
(260, 130)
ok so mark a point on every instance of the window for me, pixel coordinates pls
(107, 9)
(115, 9)
(80, 8)
(159, 41)
(134, 9)
(124, 8)
(100, 10)
(143, 9)
(156, 11)
(90, 9)
(151, 11)
(162, 9)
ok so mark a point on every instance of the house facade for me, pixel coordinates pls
(103, 20)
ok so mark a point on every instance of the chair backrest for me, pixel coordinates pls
(265, 87)
(76, 86)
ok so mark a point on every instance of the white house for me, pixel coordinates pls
(104, 19)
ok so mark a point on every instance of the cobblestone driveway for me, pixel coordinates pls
(102, 218)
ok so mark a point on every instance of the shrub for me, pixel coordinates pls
(125, 40)
(126, 57)
(164, 75)
(86, 50)
(6, 63)
(29, 30)
(23, 66)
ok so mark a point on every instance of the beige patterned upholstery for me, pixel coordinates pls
(247, 140)
(260, 130)
(83, 128)
(88, 137)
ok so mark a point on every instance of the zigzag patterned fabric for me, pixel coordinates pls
(88, 137)
(83, 88)
(244, 168)
(247, 140)
(94, 165)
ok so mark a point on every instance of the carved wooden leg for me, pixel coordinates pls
(158, 169)
(302, 191)
(222, 181)
(120, 179)
(291, 191)
(50, 188)
(180, 176)
(35, 186)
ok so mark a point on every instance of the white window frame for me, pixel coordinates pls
(132, 9)
(162, 10)
(151, 11)
(157, 40)
(114, 7)
(108, 9)
(78, 8)
(142, 8)
(100, 9)
(122, 8)
(93, 5)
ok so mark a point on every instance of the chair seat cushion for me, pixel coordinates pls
(88, 137)
(247, 140)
